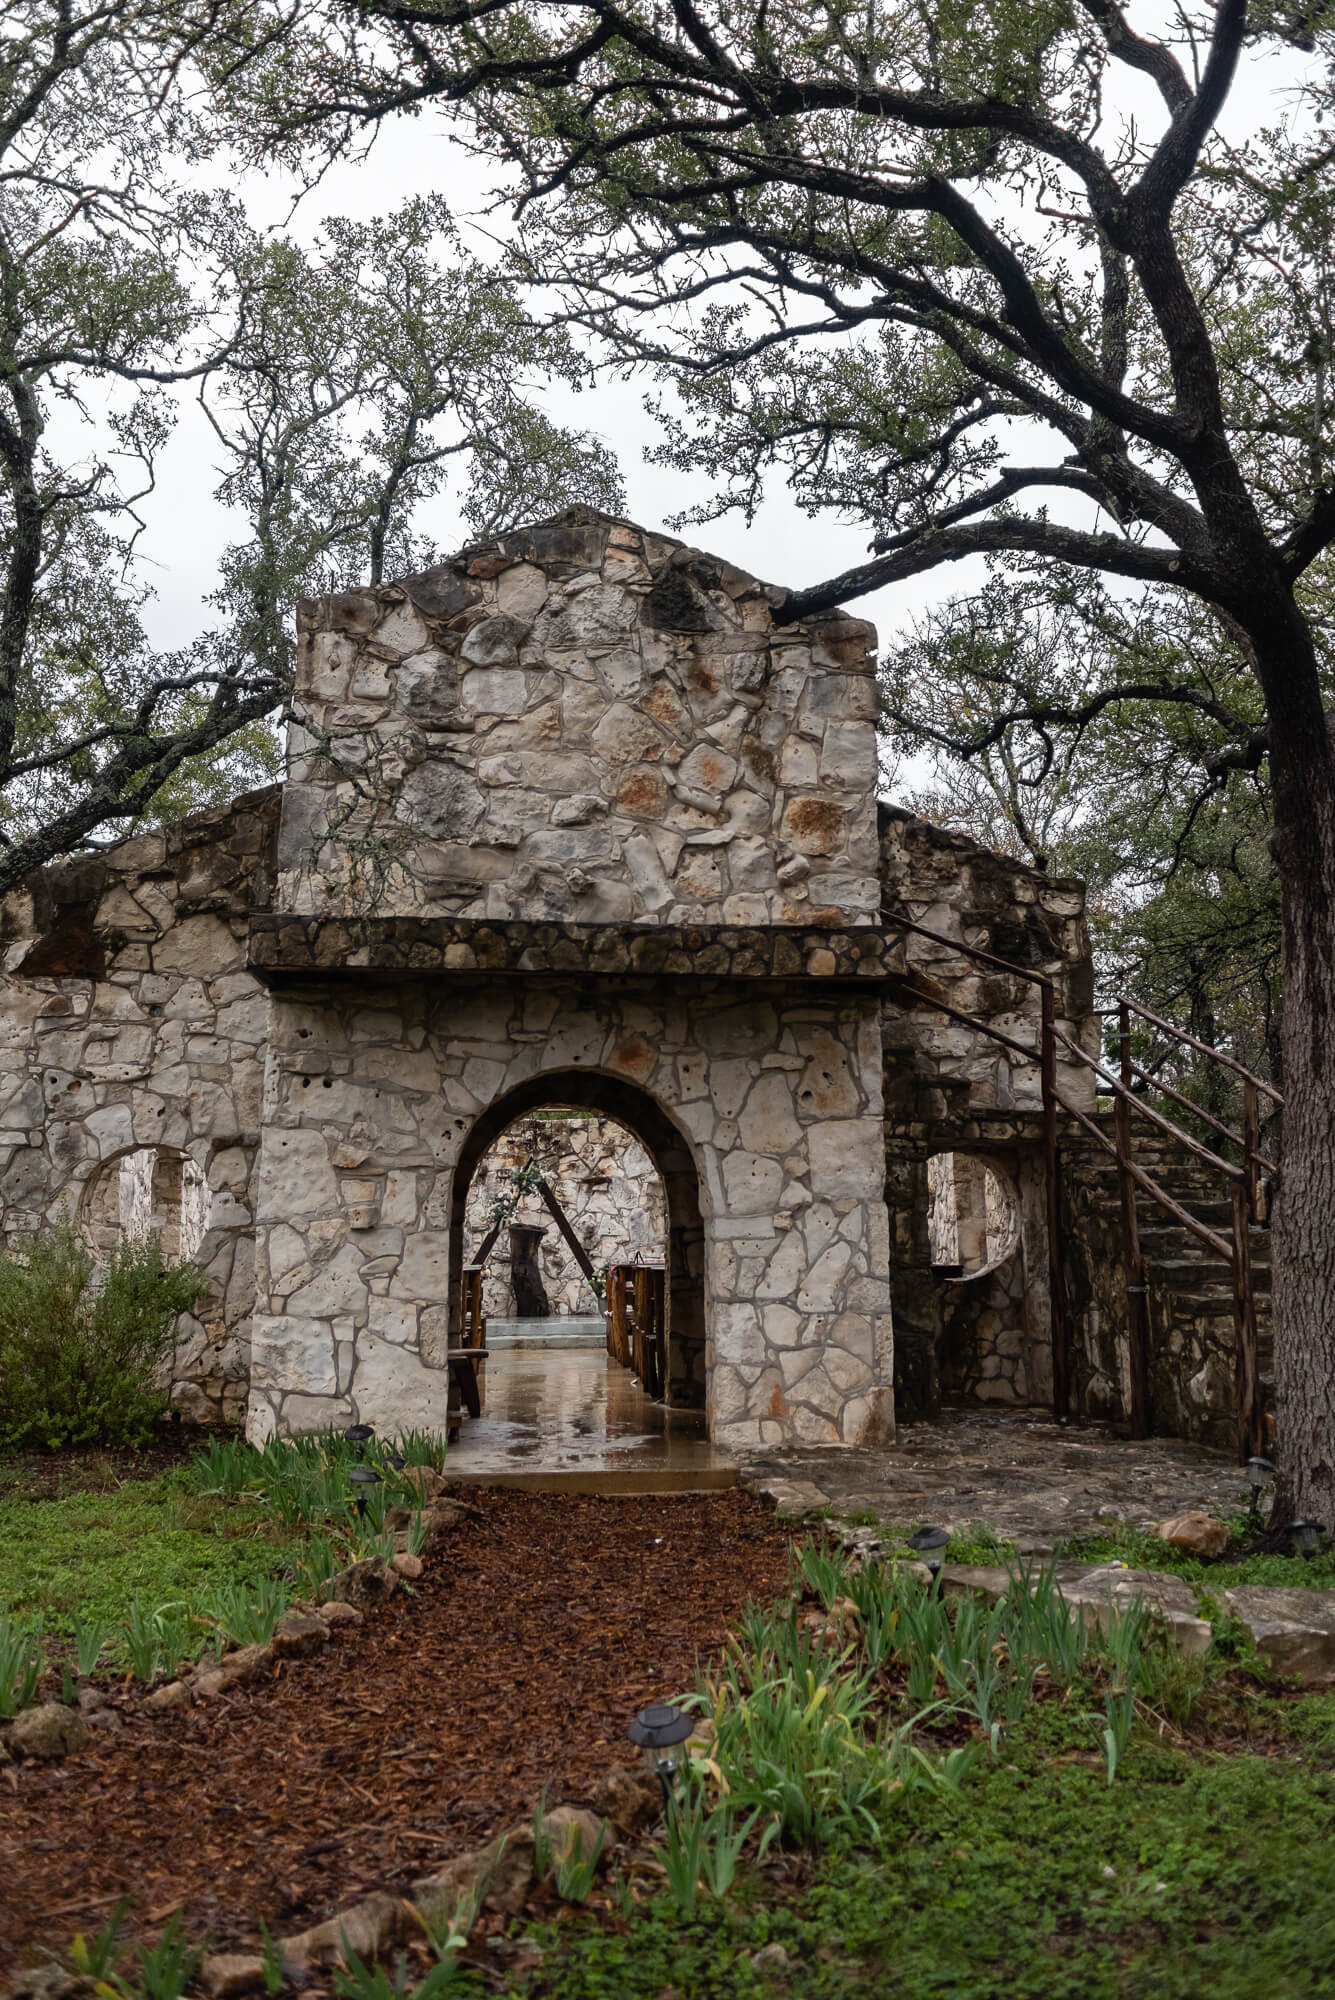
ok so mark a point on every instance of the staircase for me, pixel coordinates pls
(1197, 1281)
(1189, 1289)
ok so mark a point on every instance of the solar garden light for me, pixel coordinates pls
(930, 1544)
(1260, 1472)
(661, 1732)
(1306, 1536)
(360, 1434)
(395, 1460)
(363, 1477)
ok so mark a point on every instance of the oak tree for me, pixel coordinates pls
(1032, 280)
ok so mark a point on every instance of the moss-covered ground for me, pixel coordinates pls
(89, 1555)
(1194, 1875)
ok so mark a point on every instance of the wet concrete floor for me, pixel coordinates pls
(574, 1419)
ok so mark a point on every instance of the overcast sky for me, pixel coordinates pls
(188, 528)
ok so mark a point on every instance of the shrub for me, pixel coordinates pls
(81, 1350)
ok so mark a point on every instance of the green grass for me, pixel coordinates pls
(1039, 1883)
(1142, 1551)
(90, 1554)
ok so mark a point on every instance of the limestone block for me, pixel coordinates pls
(847, 1158)
(401, 631)
(112, 1128)
(201, 946)
(493, 691)
(848, 755)
(706, 769)
(296, 1177)
(293, 1354)
(751, 1184)
(821, 1289)
(393, 1390)
(423, 1273)
(22, 1102)
(799, 764)
(814, 825)
(393, 1320)
(642, 792)
(767, 1124)
(493, 642)
(848, 1374)
(782, 1326)
(621, 672)
(751, 1028)
(337, 1290)
(1097, 1593)
(427, 691)
(869, 1420)
(728, 1397)
(627, 736)
(814, 1427)
(442, 801)
(521, 591)
(1294, 1628)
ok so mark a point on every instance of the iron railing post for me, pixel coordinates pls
(1246, 1368)
(1133, 1263)
(1061, 1328)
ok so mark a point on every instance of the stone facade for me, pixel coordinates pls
(574, 819)
(607, 1186)
(583, 722)
(131, 1024)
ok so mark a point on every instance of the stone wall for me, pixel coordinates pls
(948, 1087)
(131, 1025)
(605, 1182)
(572, 820)
(582, 721)
(375, 1096)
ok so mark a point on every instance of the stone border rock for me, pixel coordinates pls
(499, 1877)
(51, 1730)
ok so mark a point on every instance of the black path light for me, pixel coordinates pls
(930, 1545)
(1260, 1472)
(395, 1460)
(1306, 1538)
(661, 1732)
(362, 1478)
(359, 1434)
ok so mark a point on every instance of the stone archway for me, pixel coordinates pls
(633, 1108)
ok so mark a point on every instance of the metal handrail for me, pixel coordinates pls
(1215, 1055)
(1143, 1110)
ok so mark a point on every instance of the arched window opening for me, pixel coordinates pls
(973, 1221)
(154, 1192)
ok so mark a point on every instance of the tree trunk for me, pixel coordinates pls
(1302, 763)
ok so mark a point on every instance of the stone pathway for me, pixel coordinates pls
(1019, 1473)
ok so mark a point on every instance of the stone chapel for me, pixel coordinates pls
(577, 818)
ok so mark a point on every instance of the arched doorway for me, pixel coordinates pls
(574, 1407)
(634, 1108)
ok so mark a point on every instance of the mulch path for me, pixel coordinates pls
(532, 1640)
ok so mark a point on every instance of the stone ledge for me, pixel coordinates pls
(1095, 1593)
(1293, 1627)
(292, 947)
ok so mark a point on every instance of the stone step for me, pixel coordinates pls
(553, 1332)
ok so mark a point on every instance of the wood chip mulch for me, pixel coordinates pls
(533, 1638)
